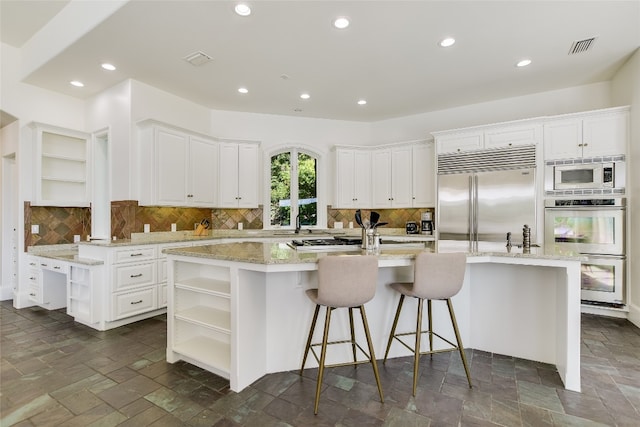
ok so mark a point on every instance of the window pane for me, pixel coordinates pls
(280, 210)
(307, 189)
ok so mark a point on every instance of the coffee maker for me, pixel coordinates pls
(426, 225)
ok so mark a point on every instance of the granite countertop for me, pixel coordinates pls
(281, 253)
(285, 235)
(67, 253)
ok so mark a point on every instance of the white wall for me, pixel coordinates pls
(568, 100)
(29, 103)
(625, 89)
(111, 110)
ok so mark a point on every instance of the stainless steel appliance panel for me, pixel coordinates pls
(506, 201)
(484, 207)
(592, 230)
(602, 279)
(454, 203)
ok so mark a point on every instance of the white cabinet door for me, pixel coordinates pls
(248, 173)
(171, 167)
(424, 175)
(344, 179)
(563, 139)
(401, 177)
(460, 142)
(605, 135)
(362, 179)
(228, 175)
(203, 172)
(392, 177)
(353, 178)
(238, 175)
(381, 177)
(511, 136)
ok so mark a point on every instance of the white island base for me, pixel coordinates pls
(242, 320)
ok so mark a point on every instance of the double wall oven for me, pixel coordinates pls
(594, 228)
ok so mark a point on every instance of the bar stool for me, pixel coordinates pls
(436, 277)
(343, 282)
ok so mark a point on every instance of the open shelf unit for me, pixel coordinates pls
(62, 159)
(80, 297)
(199, 316)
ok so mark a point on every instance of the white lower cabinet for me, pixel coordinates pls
(199, 316)
(47, 282)
(126, 304)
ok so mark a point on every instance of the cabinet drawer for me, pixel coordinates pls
(134, 255)
(128, 276)
(35, 293)
(136, 302)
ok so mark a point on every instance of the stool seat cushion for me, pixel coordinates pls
(436, 276)
(345, 281)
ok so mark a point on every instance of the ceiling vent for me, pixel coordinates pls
(197, 58)
(580, 46)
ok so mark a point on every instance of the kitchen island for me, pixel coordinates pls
(240, 310)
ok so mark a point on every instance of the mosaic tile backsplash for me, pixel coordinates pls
(58, 225)
(397, 218)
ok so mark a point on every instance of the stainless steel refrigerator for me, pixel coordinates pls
(484, 195)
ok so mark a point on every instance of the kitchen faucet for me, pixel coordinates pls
(298, 223)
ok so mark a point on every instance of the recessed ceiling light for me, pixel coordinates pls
(109, 67)
(523, 63)
(341, 22)
(305, 96)
(362, 102)
(243, 9)
(76, 83)
(243, 90)
(449, 41)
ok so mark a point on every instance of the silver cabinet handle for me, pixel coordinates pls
(136, 275)
(138, 254)
(136, 302)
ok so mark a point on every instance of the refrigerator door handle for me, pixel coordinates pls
(475, 213)
(472, 228)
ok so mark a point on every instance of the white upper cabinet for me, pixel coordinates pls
(62, 167)
(487, 137)
(392, 177)
(353, 178)
(239, 175)
(592, 134)
(460, 141)
(424, 175)
(177, 168)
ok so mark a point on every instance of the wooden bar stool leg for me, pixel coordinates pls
(323, 355)
(353, 334)
(393, 328)
(416, 360)
(308, 347)
(372, 355)
(459, 340)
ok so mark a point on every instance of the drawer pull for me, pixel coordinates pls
(32, 263)
(32, 278)
(43, 264)
(136, 302)
(32, 294)
(138, 254)
(57, 267)
(136, 275)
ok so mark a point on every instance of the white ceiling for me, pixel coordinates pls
(388, 56)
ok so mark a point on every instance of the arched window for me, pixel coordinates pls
(294, 188)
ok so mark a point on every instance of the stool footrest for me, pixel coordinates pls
(341, 342)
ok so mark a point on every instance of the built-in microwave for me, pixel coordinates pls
(585, 176)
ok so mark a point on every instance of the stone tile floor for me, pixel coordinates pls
(55, 372)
